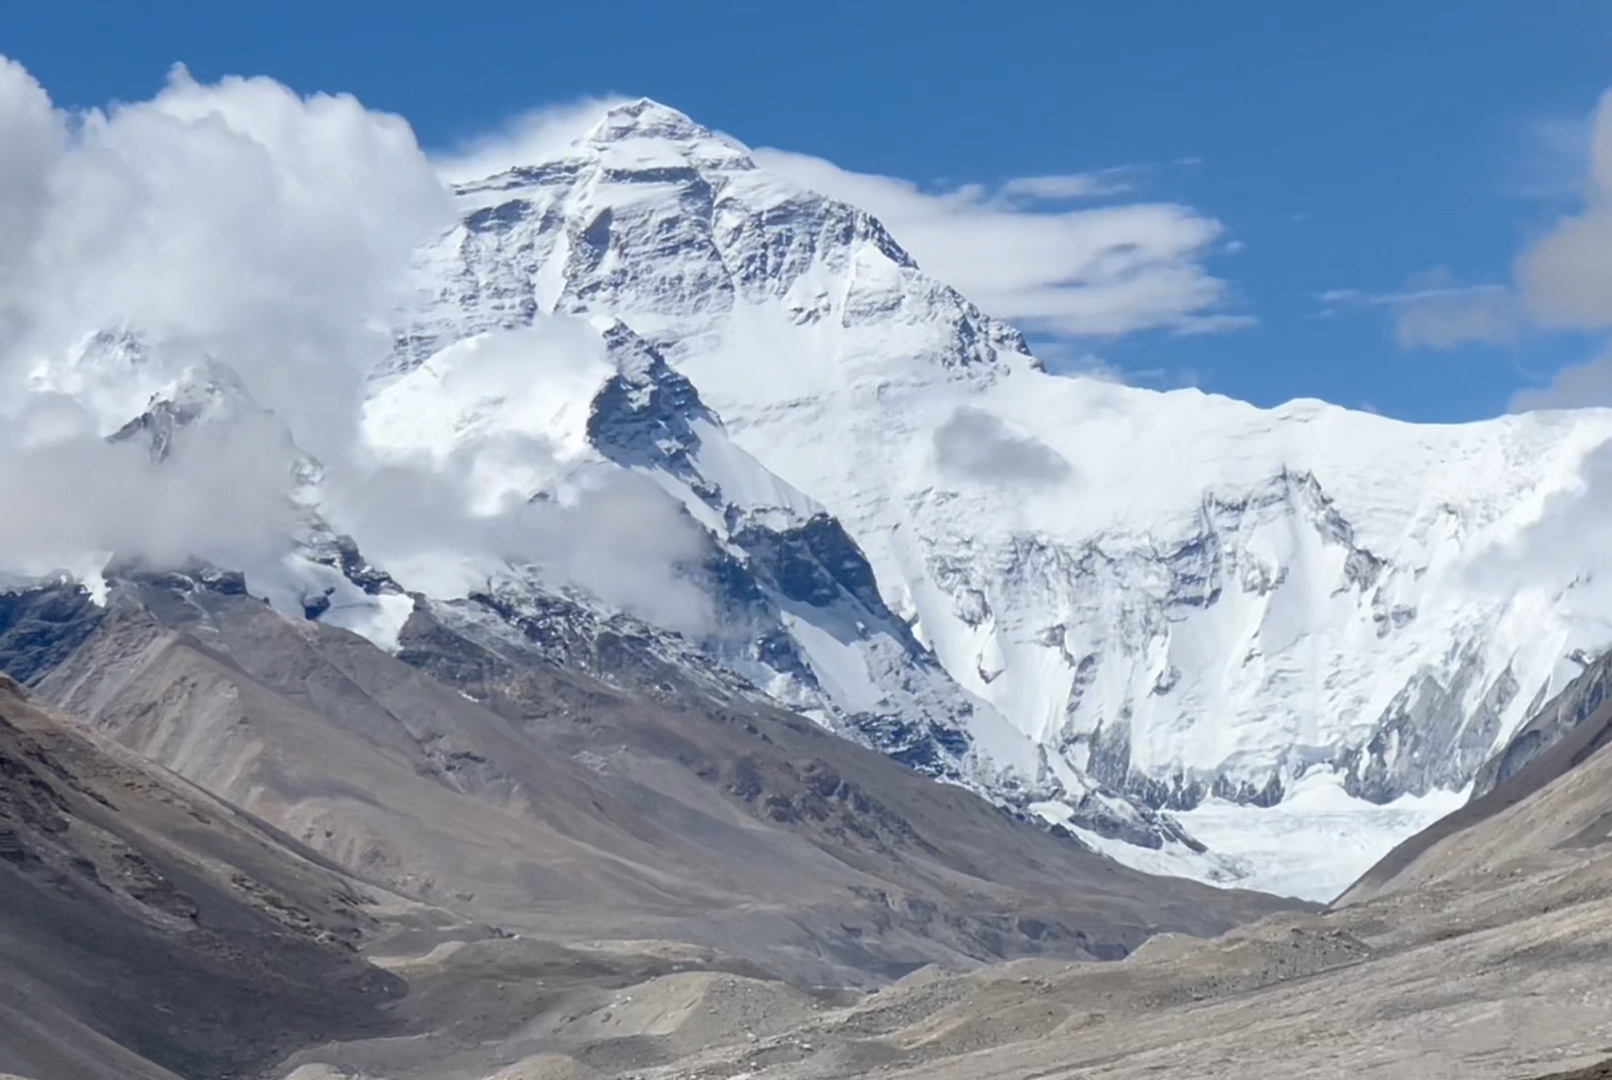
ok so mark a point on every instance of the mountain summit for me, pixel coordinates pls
(1180, 628)
(1173, 596)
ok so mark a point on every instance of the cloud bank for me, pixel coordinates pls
(1432, 310)
(254, 224)
(239, 247)
(73, 499)
(1565, 278)
(232, 220)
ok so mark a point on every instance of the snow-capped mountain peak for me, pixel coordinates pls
(1091, 602)
(1174, 595)
(647, 131)
(658, 221)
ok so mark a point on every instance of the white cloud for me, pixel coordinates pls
(1091, 272)
(70, 495)
(33, 137)
(1565, 277)
(1444, 321)
(236, 220)
(1064, 188)
(1575, 386)
(257, 225)
(1562, 280)
(1432, 311)
(461, 446)
(610, 532)
(532, 137)
(1551, 159)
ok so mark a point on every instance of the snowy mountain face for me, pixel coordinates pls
(844, 488)
(1077, 585)
(795, 608)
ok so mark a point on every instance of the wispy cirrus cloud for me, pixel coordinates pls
(1080, 272)
(1118, 180)
(1431, 310)
(530, 137)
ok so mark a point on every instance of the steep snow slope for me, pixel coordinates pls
(562, 407)
(1176, 595)
(506, 433)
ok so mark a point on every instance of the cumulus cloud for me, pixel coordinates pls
(612, 533)
(235, 220)
(979, 446)
(237, 239)
(261, 226)
(1090, 272)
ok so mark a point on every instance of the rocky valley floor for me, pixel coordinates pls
(227, 837)
(159, 932)
(1500, 976)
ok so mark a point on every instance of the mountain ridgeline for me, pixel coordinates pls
(918, 655)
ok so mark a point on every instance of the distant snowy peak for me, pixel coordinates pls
(204, 393)
(1175, 595)
(656, 220)
(646, 133)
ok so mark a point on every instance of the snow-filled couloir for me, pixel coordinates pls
(1174, 595)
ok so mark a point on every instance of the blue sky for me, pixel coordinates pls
(1358, 153)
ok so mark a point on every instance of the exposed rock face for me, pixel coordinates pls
(1577, 704)
(1547, 789)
